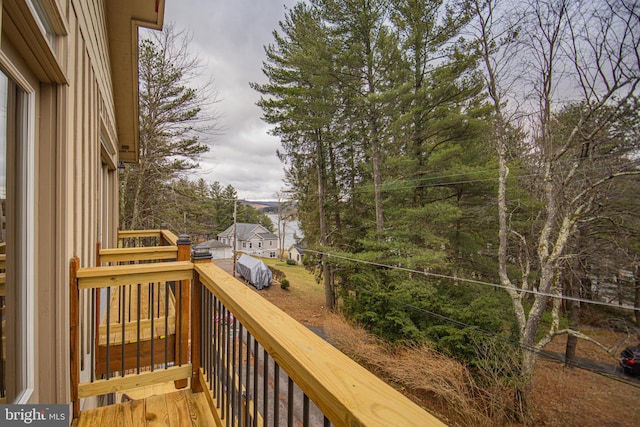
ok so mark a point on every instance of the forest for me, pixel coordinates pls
(466, 172)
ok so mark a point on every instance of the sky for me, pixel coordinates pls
(229, 38)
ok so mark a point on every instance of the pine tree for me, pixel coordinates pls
(170, 117)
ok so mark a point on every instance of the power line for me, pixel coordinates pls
(535, 350)
(479, 282)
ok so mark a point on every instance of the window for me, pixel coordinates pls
(44, 22)
(250, 245)
(259, 244)
(270, 242)
(16, 243)
(244, 244)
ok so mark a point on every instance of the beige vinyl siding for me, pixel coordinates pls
(70, 185)
(75, 178)
(92, 209)
(92, 28)
(92, 106)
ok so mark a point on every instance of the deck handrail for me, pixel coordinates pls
(144, 253)
(125, 234)
(346, 393)
(120, 275)
(169, 237)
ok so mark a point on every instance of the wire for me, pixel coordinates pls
(540, 352)
(479, 282)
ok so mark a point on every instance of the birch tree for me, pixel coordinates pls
(584, 53)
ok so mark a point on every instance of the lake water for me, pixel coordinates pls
(292, 228)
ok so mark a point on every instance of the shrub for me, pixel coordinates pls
(284, 284)
(290, 261)
(277, 274)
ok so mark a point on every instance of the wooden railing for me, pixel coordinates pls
(146, 238)
(245, 343)
(139, 312)
(256, 365)
(141, 347)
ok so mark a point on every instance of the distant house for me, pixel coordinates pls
(252, 239)
(217, 249)
(296, 253)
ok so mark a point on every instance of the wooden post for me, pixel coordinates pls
(97, 311)
(74, 336)
(203, 256)
(183, 302)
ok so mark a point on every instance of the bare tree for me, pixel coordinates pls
(573, 58)
(173, 116)
(284, 215)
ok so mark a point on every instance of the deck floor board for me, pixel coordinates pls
(177, 409)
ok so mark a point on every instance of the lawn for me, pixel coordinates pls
(303, 300)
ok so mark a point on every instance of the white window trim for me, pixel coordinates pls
(28, 257)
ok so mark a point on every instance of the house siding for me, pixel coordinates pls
(74, 177)
(250, 241)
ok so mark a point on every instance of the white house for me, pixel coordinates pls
(296, 253)
(252, 239)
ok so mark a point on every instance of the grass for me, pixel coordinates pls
(302, 282)
(560, 396)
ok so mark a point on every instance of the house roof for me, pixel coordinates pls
(267, 235)
(245, 231)
(298, 248)
(212, 244)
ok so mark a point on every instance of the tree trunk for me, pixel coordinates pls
(636, 304)
(523, 384)
(377, 186)
(574, 319)
(322, 188)
(374, 135)
(334, 187)
(135, 210)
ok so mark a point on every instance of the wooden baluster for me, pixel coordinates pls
(97, 312)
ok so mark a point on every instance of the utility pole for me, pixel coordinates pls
(235, 246)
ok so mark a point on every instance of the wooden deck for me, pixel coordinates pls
(177, 409)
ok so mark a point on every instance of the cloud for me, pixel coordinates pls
(229, 36)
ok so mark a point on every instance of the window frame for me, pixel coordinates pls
(22, 183)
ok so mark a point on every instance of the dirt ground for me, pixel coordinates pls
(561, 396)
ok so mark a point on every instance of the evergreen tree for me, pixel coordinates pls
(299, 101)
(170, 115)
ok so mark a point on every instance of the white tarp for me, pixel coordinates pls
(254, 271)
